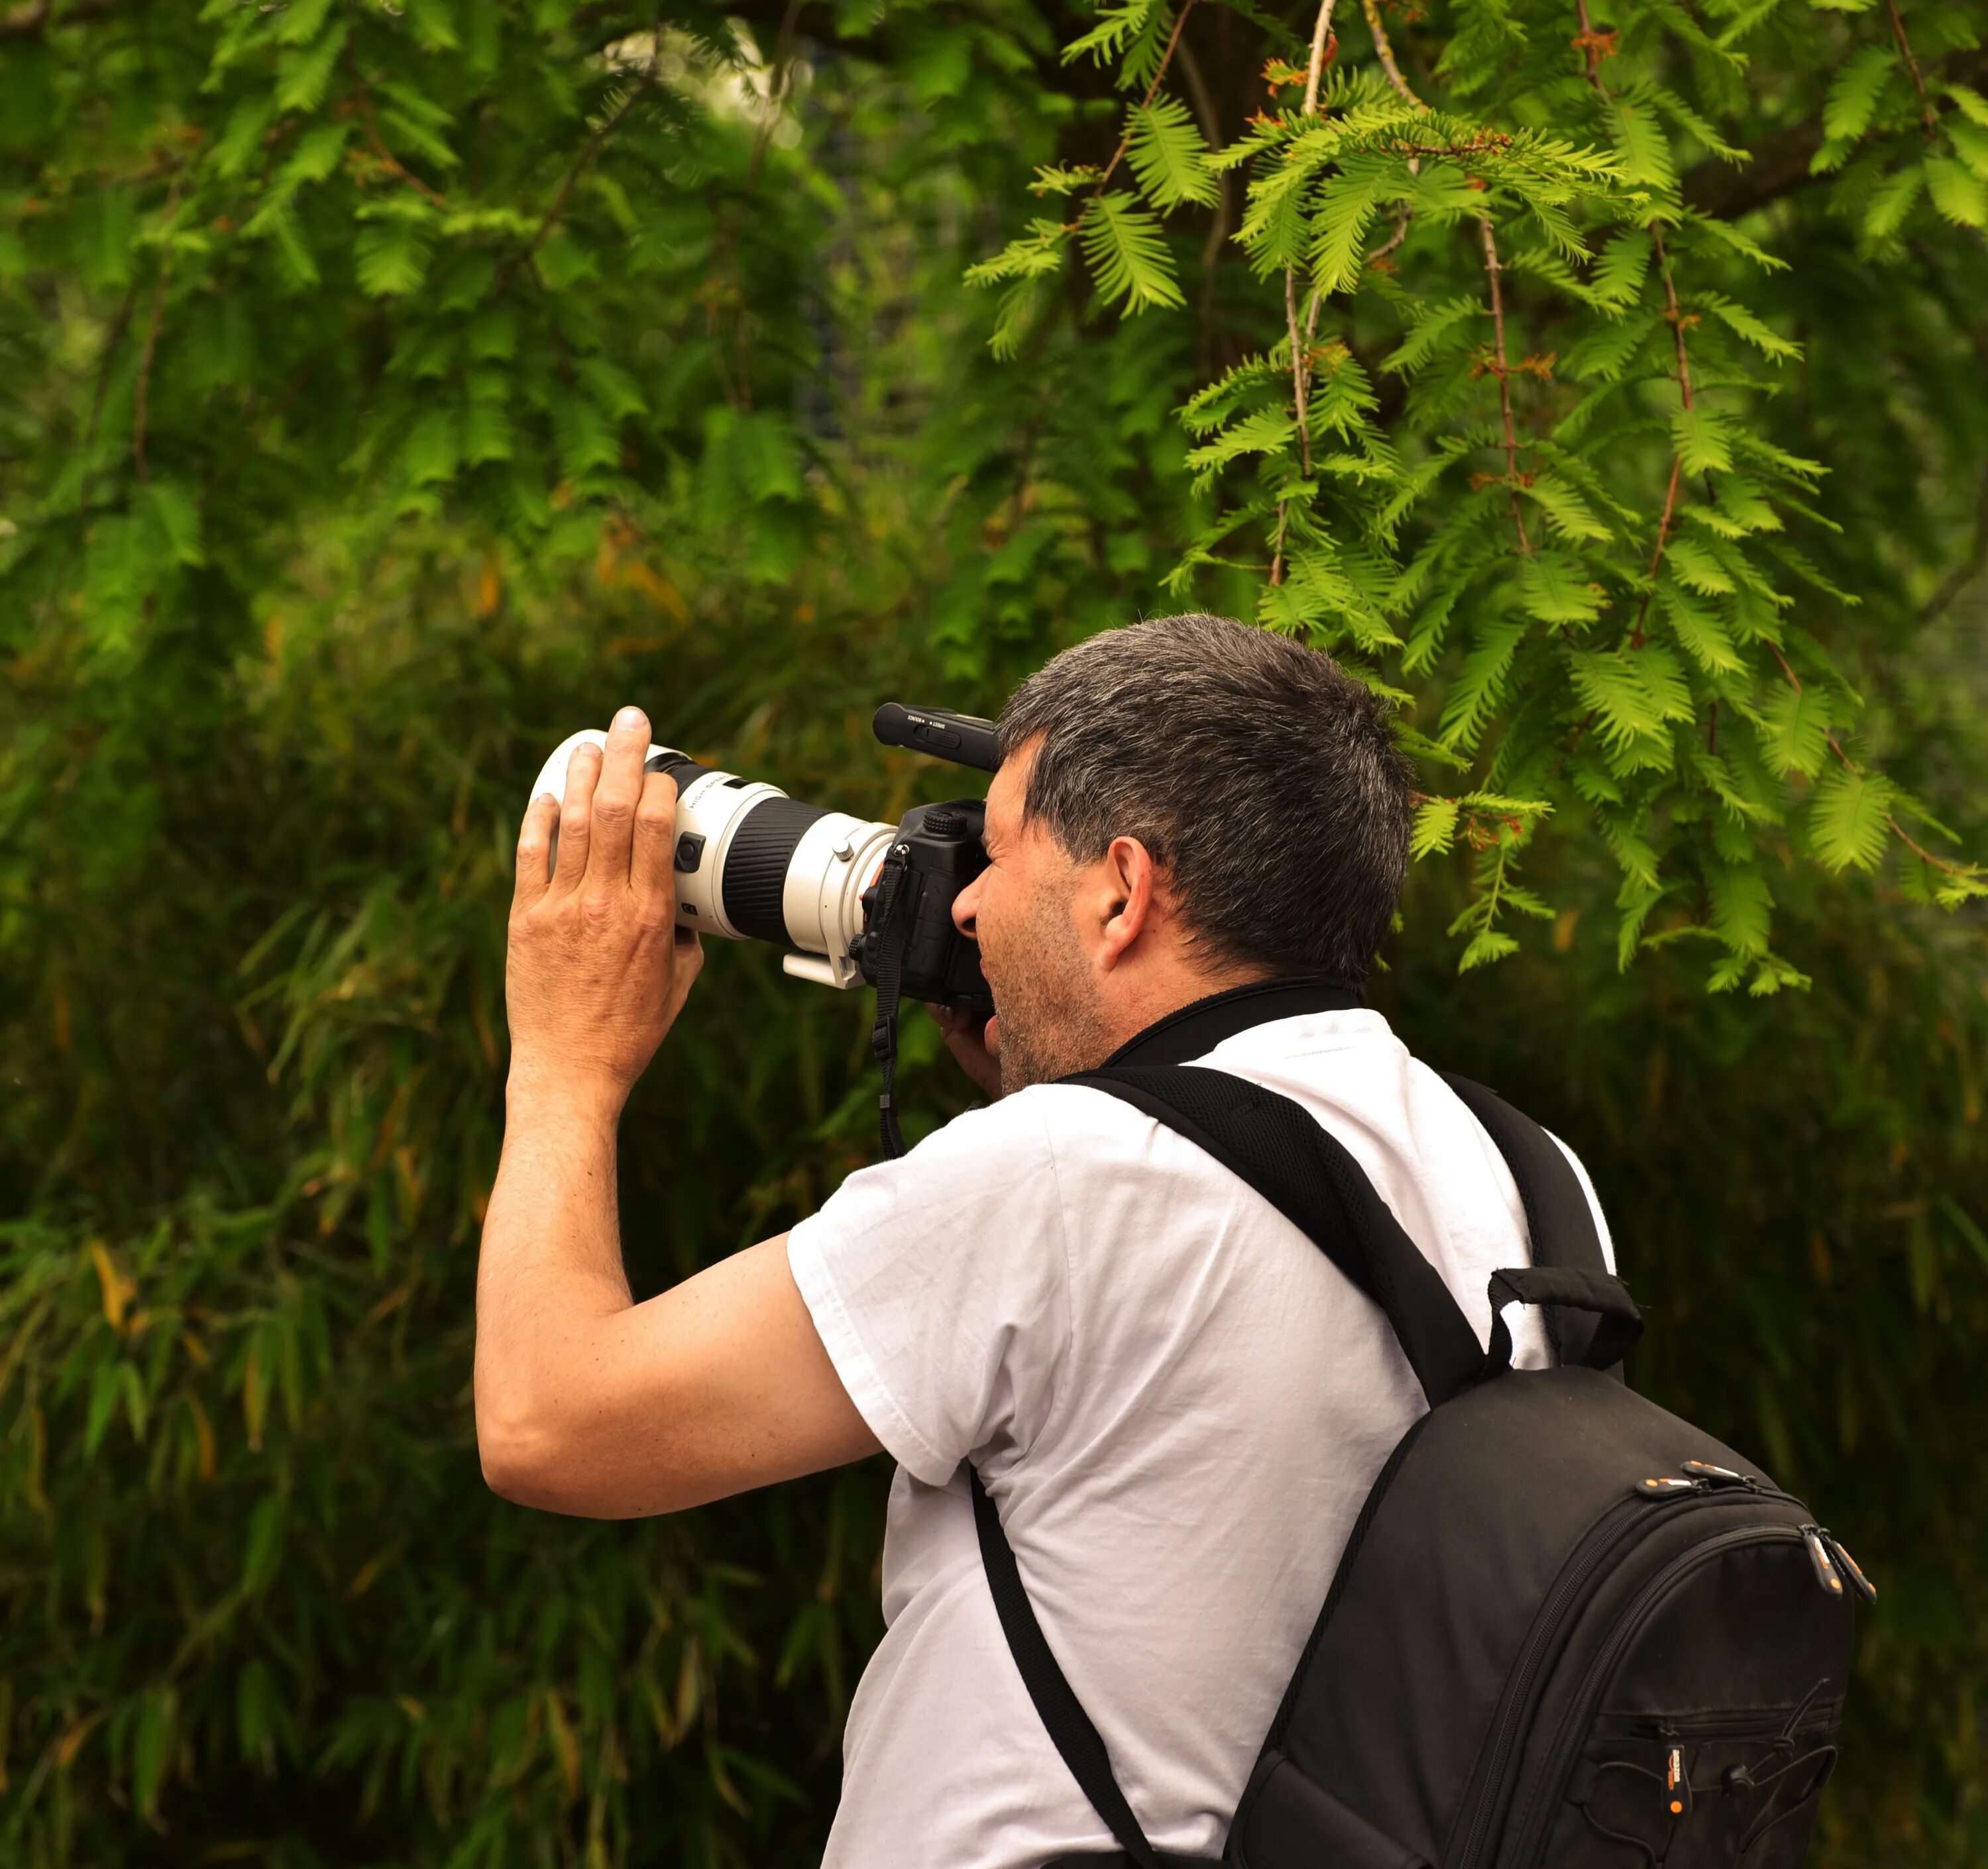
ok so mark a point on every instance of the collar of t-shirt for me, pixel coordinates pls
(1195, 1030)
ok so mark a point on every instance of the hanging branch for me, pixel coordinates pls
(1926, 114)
(1676, 316)
(1492, 270)
(1321, 35)
(1384, 49)
(1594, 45)
(1850, 766)
(1152, 91)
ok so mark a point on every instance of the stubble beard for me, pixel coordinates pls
(1051, 1020)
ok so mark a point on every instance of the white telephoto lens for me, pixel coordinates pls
(752, 863)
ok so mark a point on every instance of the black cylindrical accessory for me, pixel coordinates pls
(964, 738)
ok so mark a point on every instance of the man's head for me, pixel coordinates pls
(1182, 806)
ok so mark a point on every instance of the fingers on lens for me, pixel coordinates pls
(575, 813)
(535, 837)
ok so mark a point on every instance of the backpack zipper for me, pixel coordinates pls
(1631, 1625)
(1601, 1541)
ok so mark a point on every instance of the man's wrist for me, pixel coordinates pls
(535, 1090)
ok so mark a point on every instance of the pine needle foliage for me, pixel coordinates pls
(1573, 524)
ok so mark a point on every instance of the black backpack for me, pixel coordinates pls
(1568, 1629)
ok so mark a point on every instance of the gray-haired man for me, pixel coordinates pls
(1196, 840)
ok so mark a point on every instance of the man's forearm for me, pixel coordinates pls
(551, 1267)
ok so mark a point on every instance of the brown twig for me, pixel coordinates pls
(1321, 33)
(1850, 766)
(1384, 50)
(1927, 115)
(1968, 569)
(1676, 317)
(141, 398)
(1152, 91)
(1492, 271)
(1223, 218)
(391, 163)
(1591, 43)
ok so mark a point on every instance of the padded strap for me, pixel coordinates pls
(1617, 1323)
(1559, 1223)
(1069, 1727)
(1281, 1150)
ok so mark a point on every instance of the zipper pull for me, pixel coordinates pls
(1664, 1487)
(1717, 1476)
(1848, 1566)
(1677, 1783)
(1818, 1555)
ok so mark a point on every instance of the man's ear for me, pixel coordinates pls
(1128, 885)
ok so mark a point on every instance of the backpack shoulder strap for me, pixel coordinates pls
(1063, 1714)
(1278, 1148)
(1560, 1222)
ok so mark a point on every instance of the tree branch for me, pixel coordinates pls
(25, 22)
(1967, 570)
(1926, 116)
(1778, 165)
(1321, 35)
(1491, 270)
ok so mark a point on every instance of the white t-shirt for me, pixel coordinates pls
(1178, 1403)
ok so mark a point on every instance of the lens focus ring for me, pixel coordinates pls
(757, 862)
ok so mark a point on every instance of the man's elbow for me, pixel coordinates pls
(522, 1456)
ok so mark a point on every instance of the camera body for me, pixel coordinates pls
(907, 911)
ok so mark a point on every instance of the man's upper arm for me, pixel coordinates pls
(719, 1385)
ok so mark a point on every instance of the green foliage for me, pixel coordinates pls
(1572, 586)
(386, 391)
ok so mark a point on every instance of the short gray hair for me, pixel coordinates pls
(1263, 778)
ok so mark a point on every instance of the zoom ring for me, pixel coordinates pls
(756, 866)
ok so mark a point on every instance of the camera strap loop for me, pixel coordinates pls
(887, 942)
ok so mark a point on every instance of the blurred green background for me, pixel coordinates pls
(386, 390)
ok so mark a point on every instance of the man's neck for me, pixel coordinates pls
(1167, 991)
(1194, 1029)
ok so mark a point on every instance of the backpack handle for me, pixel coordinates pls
(1618, 1324)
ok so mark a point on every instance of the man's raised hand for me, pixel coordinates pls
(597, 969)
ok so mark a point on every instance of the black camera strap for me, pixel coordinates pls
(887, 941)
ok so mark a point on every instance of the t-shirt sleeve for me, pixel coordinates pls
(940, 1285)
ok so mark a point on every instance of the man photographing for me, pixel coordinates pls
(1196, 841)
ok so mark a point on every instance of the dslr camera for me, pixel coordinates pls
(852, 900)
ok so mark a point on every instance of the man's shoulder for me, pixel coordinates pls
(1038, 1122)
